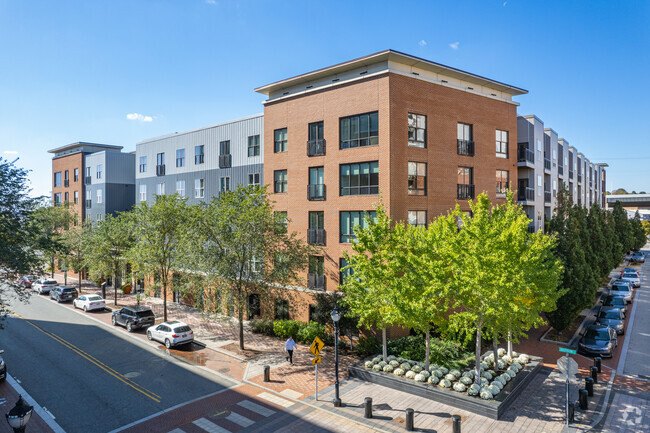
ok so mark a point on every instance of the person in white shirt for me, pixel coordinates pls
(289, 347)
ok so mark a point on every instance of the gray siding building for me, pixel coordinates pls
(200, 163)
(110, 183)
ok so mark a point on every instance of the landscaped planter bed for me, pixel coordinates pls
(493, 408)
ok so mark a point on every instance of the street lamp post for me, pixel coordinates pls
(336, 316)
(19, 416)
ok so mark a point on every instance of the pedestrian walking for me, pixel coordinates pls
(289, 347)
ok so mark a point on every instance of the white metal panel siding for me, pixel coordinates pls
(92, 161)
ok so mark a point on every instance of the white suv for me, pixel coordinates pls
(172, 333)
(44, 285)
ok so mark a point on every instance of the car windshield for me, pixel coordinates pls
(615, 300)
(610, 314)
(145, 313)
(620, 288)
(50, 282)
(181, 329)
(598, 334)
(69, 290)
(629, 275)
(94, 298)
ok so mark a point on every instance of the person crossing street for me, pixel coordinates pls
(289, 347)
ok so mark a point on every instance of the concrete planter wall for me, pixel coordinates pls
(490, 408)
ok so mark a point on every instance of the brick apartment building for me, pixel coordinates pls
(417, 135)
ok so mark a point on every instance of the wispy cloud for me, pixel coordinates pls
(211, 2)
(10, 152)
(454, 45)
(422, 43)
(505, 3)
(139, 117)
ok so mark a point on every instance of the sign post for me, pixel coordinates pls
(315, 349)
(571, 368)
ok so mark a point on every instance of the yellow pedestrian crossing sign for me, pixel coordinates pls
(316, 346)
(315, 360)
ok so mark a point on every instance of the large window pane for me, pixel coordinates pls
(359, 179)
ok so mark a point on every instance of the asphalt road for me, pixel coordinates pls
(89, 376)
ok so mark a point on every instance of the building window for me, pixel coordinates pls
(502, 144)
(465, 139)
(199, 155)
(76, 197)
(199, 188)
(57, 179)
(280, 140)
(316, 231)
(417, 180)
(254, 145)
(66, 179)
(281, 309)
(280, 181)
(225, 158)
(67, 197)
(100, 168)
(316, 187)
(281, 221)
(224, 147)
(180, 157)
(143, 192)
(76, 175)
(316, 276)
(359, 131)
(88, 175)
(316, 142)
(143, 164)
(100, 217)
(360, 179)
(417, 218)
(344, 273)
(160, 188)
(224, 184)
(417, 124)
(89, 198)
(465, 188)
(349, 220)
(503, 181)
(253, 179)
(99, 196)
(180, 188)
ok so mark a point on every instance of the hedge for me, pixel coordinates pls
(300, 331)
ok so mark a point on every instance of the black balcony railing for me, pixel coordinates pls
(524, 154)
(547, 164)
(160, 170)
(316, 147)
(89, 204)
(88, 180)
(560, 170)
(316, 281)
(316, 192)
(547, 196)
(526, 194)
(316, 236)
(465, 147)
(465, 192)
(570, 174)
(225, 161)
(66, 183)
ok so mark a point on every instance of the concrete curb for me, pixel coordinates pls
(47, 417)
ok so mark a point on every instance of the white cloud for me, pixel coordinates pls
(211, 2)
(422, 43)
(10, 152)
(139, 117)
(454, 46)
(505, 3)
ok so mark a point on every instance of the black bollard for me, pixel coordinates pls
(594, 374)
(455, 423)
(589, 386)
(368, 406)
(597, 362)
(267, 373)
(572, 410)
(409, 419)
(584, 403)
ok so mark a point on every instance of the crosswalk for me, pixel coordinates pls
(241, 415)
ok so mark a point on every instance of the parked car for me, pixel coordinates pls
(134, 317)
(3, 368)
(616, 301)
(63, 293)
(44, 285)
(27, 281)
(172, 333)
(612, 317)
(638, 257)
(89, 302)
(632, 278)
(634, 270)
(598, 340)
(621, 288)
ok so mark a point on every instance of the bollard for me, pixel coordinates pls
(368, 406)
(584, 403)
(267, 373)
(594, 374)
(409, 419)
(455, 422)
(572, 410)
(589, 386)
(597, 361)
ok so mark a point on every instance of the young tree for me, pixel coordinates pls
(639, 238)
(622, 227)
(243, 249)
(50, 224)
(75, 240)
(325, 303)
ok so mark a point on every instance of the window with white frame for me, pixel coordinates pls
(199, 188)
(502, 143)
(180, 188)
(417, 218)
(253, 178)
(100, 168)
(180, 157)
(160, 188)
(417, 126)
(143, 164)
(100, 198)
(143, 192)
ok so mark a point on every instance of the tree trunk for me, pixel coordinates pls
(164, 299)
(426, 353)
(509, 343)
(115, 287)
(53, 263)
(477, 365)
(240, 315)
(384, 344)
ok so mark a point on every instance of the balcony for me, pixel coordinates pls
(89, 204)
(225, 161)
(526, 194)
(547, 196)
(465, 192)
(316, 192)
(160, 170)
(316, 236)
(524, 154)
(547, 164)
(570, 174)
(316, 281)
(579, 178)
(591, 184)
(560, 170)
(88, 180)
(465, 147)
(316, 147)
(66, 183)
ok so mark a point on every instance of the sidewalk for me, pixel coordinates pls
(8, 399)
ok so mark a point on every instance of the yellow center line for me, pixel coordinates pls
(97, 362)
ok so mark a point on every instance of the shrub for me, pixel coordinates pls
(455, 372)
(420, 377)
(486, 394)
(460, 387)
(474, 389)
(376, 367)
(426, 374)
(466, 380)
(368, 345)
(405, 366)
(398, 372)
(494, 389)
(433, 380)
(413, 347)
(377, 359)
(410, 374)
(437, 373)
(450, 377)
(394, 363)
(311, 330)
(383, 364)
(368, 364)
(444, 383)
(523, 359)
(388, 368)
(262, 326)
(444, 370)
(416, 368)
(501, 352)
(507, 359)
(286, 328)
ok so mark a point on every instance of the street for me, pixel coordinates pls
(90, 377)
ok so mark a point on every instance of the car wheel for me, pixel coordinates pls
(129, 327)
(113, 321)
(149, 336)
(85, 309)
(168, 344)
(58, 300)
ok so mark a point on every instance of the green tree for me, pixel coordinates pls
(50, 224)
(244, 249)
(596, 224)
(622, 227)
(75, 241)
(638, 235)
(325, 303)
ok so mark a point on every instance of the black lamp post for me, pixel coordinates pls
(19, 416)
(336, 316)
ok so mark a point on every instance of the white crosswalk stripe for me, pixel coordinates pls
(253, 407)
(177, 430)
(209, 426)
(239, 419)
(275, 399)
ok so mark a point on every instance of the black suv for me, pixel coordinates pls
(63, 293)
(134, 317)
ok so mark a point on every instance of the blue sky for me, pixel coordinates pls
(118, 72)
